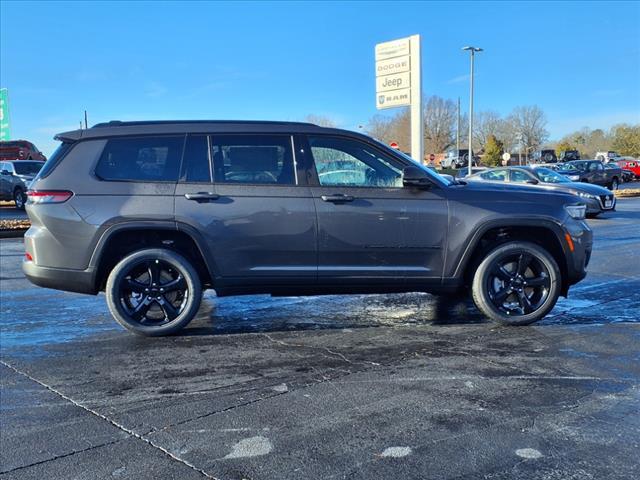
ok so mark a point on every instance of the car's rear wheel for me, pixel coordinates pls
(517, 283)
(20, 197)
(153, 292)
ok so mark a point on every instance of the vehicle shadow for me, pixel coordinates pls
(262, 314)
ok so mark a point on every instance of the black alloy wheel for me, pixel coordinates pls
(153, 292)
(518, 284)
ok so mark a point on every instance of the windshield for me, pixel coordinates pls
(549, 176)
(432, 173)
(27, 168)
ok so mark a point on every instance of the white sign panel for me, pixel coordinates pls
(395, 48)
(393, 82)
(393, 65)
(399, 84)
(394, 98)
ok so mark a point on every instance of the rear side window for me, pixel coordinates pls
(253, 159)
(143, 159)
(54, 159)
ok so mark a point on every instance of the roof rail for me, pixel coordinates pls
(119, 123)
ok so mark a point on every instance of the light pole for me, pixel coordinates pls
(473, 51)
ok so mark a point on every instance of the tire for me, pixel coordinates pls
(496, 276)
(20, 198)
(614, 184)
(171, 301)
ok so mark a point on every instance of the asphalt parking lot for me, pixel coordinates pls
(357, 387)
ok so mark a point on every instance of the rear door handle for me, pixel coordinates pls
(201, 197)
(338, 198)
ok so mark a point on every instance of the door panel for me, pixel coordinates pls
(259, 224)
(370, 228)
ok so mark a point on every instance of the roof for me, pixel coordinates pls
(119, 128)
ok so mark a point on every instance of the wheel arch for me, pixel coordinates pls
(546, 233)
(125, 238)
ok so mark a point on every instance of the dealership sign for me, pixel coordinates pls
(5, 133)
(398, 83)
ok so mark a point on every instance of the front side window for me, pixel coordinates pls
(519, 176)
(344, 162)
(145, 159)
(253, 159)
(495, 175)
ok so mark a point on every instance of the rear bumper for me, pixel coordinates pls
(81, 281)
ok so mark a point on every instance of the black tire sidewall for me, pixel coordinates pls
(19, 193)
(179, 263)
(481, 295)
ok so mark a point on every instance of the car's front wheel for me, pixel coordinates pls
(153, 292)
(517, 283)
(20, 198)
(614, 184)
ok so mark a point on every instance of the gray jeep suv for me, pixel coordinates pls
(152, 213)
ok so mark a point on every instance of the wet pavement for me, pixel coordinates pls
(358, 387)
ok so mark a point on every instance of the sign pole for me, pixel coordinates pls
(417, 118)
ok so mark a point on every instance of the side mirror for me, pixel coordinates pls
(533, 181)
(415, 177)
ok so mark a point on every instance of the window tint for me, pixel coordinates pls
(195, 161)
(253, 159)
(495, 175)
(147, 159)
(346, 162)
(519, 176)
(27, 168)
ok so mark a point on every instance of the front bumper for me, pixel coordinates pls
(600, 203)
(81, 281)
(579, 256)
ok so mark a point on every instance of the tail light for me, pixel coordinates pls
(48, 196)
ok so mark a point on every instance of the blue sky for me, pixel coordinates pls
(579, 61)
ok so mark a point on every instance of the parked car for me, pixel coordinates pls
(20, 150)
(630, 164)
(458, 159)
(598, 199)
(609, 156)
(15, 177)
(544, 156)
(152, 213)
(625, 175)
(463, 172)
(569, 155)
(592, 171)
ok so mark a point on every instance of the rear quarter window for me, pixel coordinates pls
(142, 159)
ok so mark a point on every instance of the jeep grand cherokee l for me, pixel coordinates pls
(152, 213)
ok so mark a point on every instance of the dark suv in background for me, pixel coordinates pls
(152, 213)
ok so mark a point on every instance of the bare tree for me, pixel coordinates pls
(486, 124)
(320, 120)
(529, 123)
(439, 124)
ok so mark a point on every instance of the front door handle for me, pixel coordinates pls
(338, 198)
(201, 197)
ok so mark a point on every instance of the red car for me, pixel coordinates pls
(20, 150)
(633, 165)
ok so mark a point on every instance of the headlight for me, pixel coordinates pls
(586, 195)
(577, 212)
(574, 177)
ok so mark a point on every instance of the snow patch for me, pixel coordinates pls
(528, 453)
(251, 447)
(396, 452)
